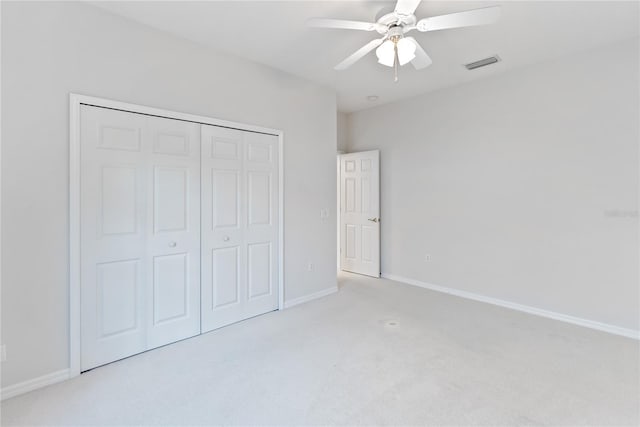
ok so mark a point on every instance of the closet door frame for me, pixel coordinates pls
(75, 101)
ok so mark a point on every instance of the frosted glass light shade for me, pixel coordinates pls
(385, 53)
(406, 51)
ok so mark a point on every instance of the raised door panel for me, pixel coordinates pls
(368, 232)
(350, 195)
(350, 241)
(171, 291)
(349, 166)
(225, 199)
(259, 270)
(172, 143)
(118, 200)
(171, 198)
(225, 147)
(123, 136)
(365, 195)
(118, 297)
(225, 277)
(259, 198)
(260, 151)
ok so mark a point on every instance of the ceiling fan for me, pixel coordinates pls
(394, 48)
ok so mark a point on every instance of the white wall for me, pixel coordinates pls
(522, 187)
(51, 49)
(343, 131)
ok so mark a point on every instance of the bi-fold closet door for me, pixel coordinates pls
(239, 225)
(140, 233)
(149, 222)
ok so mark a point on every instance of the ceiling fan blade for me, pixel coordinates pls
(406, 7)
(342, 24)
(421, 60)
(486, 15)
(358, 54)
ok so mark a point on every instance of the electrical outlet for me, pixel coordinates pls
(3, 352)
(310, 267)
(427, 258)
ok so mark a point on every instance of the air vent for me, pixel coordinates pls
(482, 62)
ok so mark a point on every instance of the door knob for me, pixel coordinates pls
(225, 238)
(172, 244)
(374, 219)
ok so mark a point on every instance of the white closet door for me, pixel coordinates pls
(113, 235)
(139, 233)
(239, 225)
(173, 246)
(261, 232)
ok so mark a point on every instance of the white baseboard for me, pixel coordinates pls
(35, 383)
(612, 329)
(310, 297)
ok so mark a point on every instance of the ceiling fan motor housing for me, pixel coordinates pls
(393, 19)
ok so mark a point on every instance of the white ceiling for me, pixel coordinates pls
(274, 33)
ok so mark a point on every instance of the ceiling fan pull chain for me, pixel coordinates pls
(395, 62)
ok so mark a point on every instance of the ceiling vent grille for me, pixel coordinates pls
(482, 62)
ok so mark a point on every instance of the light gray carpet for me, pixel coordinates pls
(377, 352)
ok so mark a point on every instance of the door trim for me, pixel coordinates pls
(75, 101)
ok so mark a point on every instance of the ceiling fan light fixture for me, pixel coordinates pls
(386, 52)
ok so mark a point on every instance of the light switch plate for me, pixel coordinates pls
(324, 215)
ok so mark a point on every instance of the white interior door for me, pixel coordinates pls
(360, 213)
(239, 225)
(140, 233)
(173, 239)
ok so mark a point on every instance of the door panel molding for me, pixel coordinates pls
(166, 144)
